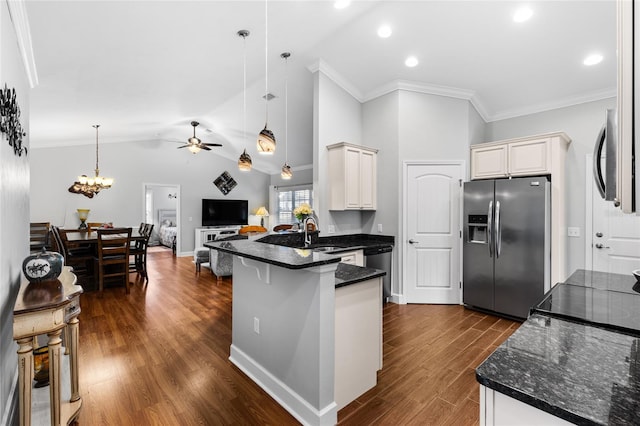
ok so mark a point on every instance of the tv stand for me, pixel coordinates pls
(208, 234)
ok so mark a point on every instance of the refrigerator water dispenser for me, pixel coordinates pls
(477, 228)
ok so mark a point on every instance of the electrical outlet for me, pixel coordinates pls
(573, 231)
(256, 325)
(380, 227)
(331, 229)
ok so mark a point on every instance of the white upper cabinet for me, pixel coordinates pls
(352, 177)
(519, 157)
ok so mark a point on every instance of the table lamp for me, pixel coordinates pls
(83, 214)
(262, 212)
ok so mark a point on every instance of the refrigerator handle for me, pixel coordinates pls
(490, 228)
(498, 230)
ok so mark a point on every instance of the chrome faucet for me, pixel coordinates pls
(307, 236)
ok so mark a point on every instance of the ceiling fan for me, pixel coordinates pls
(195, 144)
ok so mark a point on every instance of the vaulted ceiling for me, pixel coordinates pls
(145, 69)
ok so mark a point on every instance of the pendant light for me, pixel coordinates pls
(286, 169)
(244, 162)
(89, 186)
(266, 140)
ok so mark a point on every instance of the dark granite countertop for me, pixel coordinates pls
(350, 274)
(286, 257)
(295, 258)
(583, 374)
(578, 355)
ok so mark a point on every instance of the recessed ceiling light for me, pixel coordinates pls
(522, 14)
(341, 4)
(384, 31)
(593, 59)
(411, 61)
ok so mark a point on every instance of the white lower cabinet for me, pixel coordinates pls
(355, 257)
(497, 409)
(358, 339)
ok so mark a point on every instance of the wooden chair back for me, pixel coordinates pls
(38, 236)
(282, 227)
(113, 255)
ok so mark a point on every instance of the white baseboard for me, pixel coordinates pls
(299, 408)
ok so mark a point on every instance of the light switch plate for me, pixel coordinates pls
(332, 229)
(573, 231)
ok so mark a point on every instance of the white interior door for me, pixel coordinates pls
(432, 245)
(616, 238)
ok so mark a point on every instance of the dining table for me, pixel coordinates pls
(90, 236)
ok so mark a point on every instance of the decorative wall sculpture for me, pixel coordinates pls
(10, 120)
(225, 183)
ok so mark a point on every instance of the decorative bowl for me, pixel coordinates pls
(636, 273)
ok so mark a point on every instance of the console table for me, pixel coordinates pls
(47, 308)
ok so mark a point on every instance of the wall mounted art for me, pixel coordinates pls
(225, 183)
(10, 120)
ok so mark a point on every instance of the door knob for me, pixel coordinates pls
(412, 241)
(599, 234)
(601, 246)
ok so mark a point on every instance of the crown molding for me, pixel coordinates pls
(563, 103)
(18, 14)
(336, 77)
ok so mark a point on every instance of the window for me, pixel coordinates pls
(288, 198)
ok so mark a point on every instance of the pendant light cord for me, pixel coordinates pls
(286, 107)
(97, 169)
(266, 59)
(244, 85)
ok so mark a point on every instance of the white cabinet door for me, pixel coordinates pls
(488, 162)
(352, 177)
(529, 158)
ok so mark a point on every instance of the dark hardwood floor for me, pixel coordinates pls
(159, 356)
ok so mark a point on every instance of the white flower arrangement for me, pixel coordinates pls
(302, 211)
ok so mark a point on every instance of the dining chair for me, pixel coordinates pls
(138, 250)
(80, 258)
(113, 255)
(38, 236)
(282, 227)
(94, 225)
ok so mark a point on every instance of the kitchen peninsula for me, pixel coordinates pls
(305, 327)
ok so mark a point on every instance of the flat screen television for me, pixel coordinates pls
(224, 212)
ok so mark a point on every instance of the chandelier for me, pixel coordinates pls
(89, 186)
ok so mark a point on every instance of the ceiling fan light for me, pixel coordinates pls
(82, 179)
(266, 142)
(286, 172)
(194, 149)
(244, 162)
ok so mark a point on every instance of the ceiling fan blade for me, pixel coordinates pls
(206, 148)
(183, 146)
(211, 144)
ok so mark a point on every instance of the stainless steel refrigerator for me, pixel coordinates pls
(506, 253)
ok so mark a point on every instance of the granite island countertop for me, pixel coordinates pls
(580, 373)
(296, 258)
(572, 360)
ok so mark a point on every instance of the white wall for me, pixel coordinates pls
(337, 118)
(581, 123)
(14, 216)
(53, 170)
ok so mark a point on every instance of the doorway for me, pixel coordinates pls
(161, 206)
(432, 233)
(613, 238)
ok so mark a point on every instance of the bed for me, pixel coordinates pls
(167, 229)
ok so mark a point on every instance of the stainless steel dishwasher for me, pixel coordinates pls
(380, 257)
